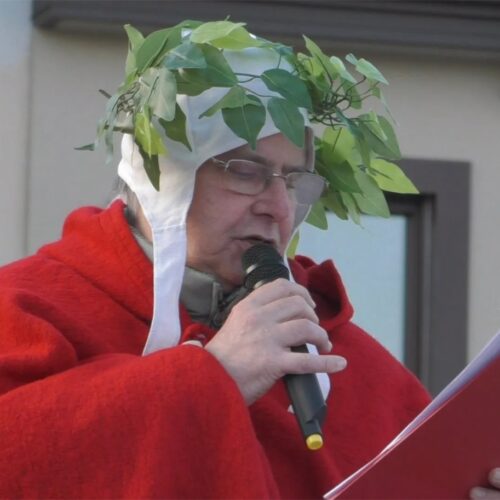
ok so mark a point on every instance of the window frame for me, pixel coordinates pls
(437, 268)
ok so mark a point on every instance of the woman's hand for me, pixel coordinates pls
(488, 493)
(254, 343)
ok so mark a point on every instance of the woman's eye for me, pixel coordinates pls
(246, 172)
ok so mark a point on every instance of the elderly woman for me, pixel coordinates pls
(134, 363)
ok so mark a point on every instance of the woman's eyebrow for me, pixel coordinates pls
(253, 156)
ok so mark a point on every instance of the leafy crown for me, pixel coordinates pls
(355, 152)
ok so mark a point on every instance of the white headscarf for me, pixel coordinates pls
(166, 209)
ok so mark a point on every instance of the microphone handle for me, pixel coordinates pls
(262, 264)
(308, 404)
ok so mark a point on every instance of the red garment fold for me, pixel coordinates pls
(84, 415)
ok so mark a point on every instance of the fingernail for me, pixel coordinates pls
(341, 363)
(495, 475)
(477, 493)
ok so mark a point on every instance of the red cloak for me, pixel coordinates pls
(83, 414)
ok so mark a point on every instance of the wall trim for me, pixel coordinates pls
(459, 25)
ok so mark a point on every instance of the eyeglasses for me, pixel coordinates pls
(252, 178)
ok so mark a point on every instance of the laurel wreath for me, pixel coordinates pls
(355, 152)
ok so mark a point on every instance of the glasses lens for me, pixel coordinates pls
(251, 178)
(308, 187)
(245, 177)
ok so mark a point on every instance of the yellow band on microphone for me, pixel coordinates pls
(314, 441)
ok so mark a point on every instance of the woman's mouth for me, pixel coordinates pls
(255, 240)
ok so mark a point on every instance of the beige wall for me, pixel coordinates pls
(67, 71)
(15, 32)
(450, 109)
(447, 108)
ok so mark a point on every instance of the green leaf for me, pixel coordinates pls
(163, 97)
(246, 121)
(151, 48)
(321, 57)
(190, 87)
(352, 94)
(185, 55)
(176, 129)
(352, 208)
(319, 81)
(213, 31)
(379, 146)
(392, 178)
(317, 216)
(392, 140)
(310, 65)
(101, 126)
(371, 121)
(292, 246)
(147, 82)
(334, 202)
(379, 94)
(174, 40)
(367, 69)
(142, 131)
(361, 151)
(352, 59)
(190, 24)
(341, 69)
(363, 147)
(283, 50)
(218, 73)
(287, 119)
(107, 130)
(349, 123)
(337, 146)
(290, 86)
(151, 166)
(340, 176)
(147, 136)
(372, 200)
(235, 98)
(135, 39)
(237, 39)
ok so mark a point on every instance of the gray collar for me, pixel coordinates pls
(204, 299)
(201, 294)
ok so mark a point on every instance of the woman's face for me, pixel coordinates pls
(222, 224)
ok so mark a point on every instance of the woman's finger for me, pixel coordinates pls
(298, 363)
(289, 308)
(302, 331)
(279, 289)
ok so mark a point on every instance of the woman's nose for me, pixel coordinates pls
(276, 200)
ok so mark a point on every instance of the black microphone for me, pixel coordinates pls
(262, 264)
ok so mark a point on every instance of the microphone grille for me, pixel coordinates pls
(262, 264)
(265, 274)
(260, 254)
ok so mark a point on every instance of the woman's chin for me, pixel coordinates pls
(231, 278)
